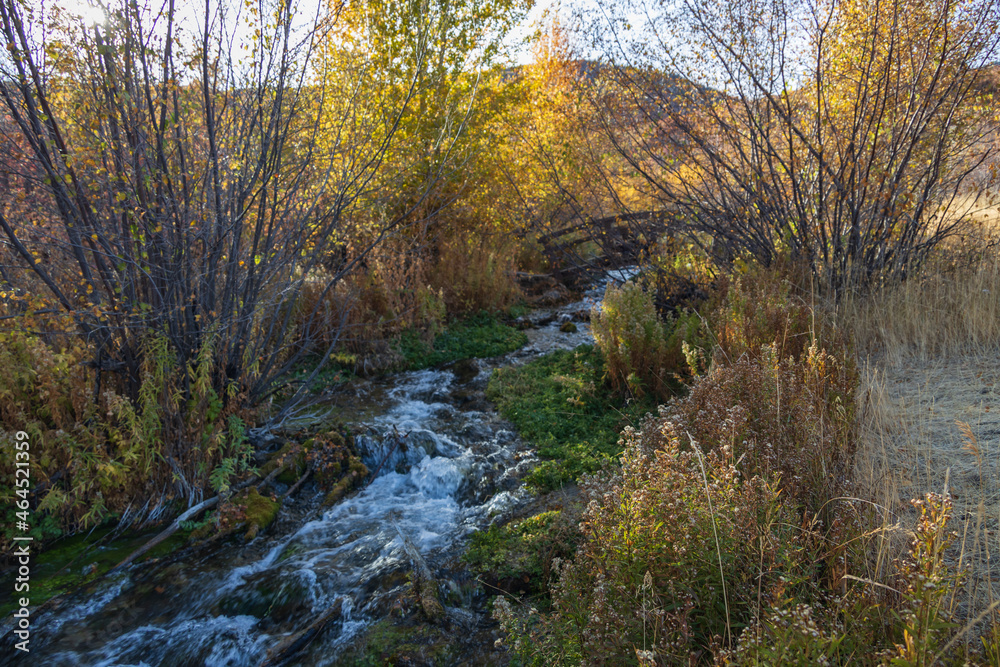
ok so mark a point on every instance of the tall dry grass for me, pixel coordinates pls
(950, 308)
(929, 402)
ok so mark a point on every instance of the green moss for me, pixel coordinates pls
(561, 405)
(295, 454)
(480, 336)
(78, 560)
(260, 511)
(356, 472)
(291, 474)
(401, 641)
(568, 327)
(519, 554)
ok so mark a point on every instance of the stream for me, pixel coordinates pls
(459, 470)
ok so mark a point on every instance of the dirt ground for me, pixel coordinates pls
(936, 426)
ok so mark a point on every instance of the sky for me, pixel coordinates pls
(91, 12)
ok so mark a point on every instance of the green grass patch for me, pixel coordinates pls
(400, 642)
(78, 560)
(561, 405)
(339, 368)
(480, 336)
(519, 554)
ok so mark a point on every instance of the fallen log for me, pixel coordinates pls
(295, 643)
(187, 516)
(171, 529)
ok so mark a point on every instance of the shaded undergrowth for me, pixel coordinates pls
(480, 336)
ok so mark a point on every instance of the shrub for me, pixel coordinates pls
(792, 420)
(709, 532)
(679, 550)
(848, 629)
(94, 456)
(926, 584)
(632, 338)
(519, 555)
(45, 393)
(764, 307)
(475, 270)
(781, 388)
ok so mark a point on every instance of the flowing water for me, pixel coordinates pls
(457, 469)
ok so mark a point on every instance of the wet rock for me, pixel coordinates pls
(553, 297)
(475, 432)
(278, 602)
(544, 319)
(425, 586)
(568, 327)
(460, 619)
(465, 370)
(424, 440)
(461, 396)
(291, 646)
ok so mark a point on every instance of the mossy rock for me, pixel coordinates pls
(568, 327)
(278, 601)
(329, 456)
(356, 472)
(247, 510)
(204, 531)
(295, 455)
(260, 511)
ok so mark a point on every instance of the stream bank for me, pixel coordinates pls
(343, 571)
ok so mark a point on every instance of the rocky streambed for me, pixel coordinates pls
(445, 465)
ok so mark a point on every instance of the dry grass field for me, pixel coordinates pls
(930, 405)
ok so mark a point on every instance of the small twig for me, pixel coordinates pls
(497, 588)
(295, 487)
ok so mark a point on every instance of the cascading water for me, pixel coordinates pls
(446, 465)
